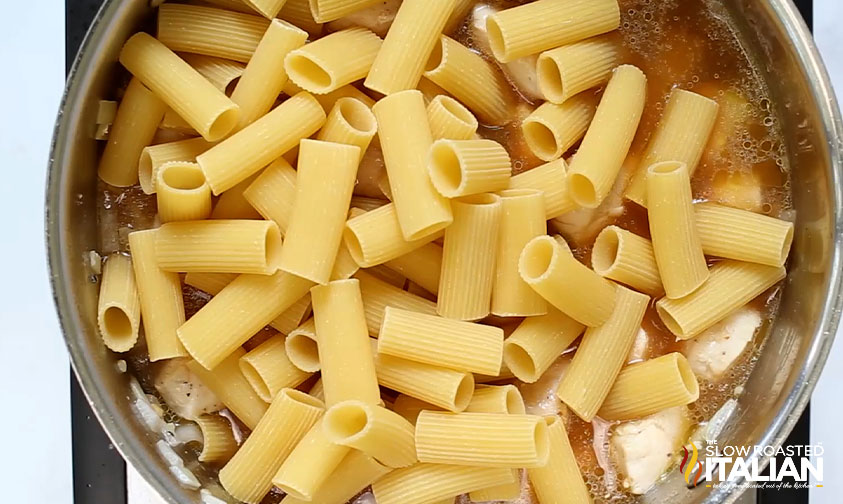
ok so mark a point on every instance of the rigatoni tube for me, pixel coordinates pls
(537, 342)
(153, 157)
(505, 492)
(212, 333)
(298, 12)
(377, 295)
(135, 124)
(627, 258)
(219, 72)
(262, 142)
(482, 439)
(265, 76)
(681, 135)
(430, 483)
(310, 464)
(218, 443)
(375, 237)
(177, 84)
(414, 32)
(468, 258)
(269, 8)
(273, 192)
(645, 388)
(248, 475)
(465, 167)
(330, 10)
(374, 430)
(118, 311)
(325, 180)
(676, 241)
(269, 370)
(545, 24)
(522, 219)
(345, 354)
(601, 354)
(229, 384)
(350, 122)
(496, 399)
(552, 129)
(464, 346)
(742, 235)
(233, 205)
(354, 473)
(160, 295)
(606, 143)
(450, 119)
(422, 266)
(302, 347)
(334, 60)
(551, 270)
(219, 246)
(731, 285)
(182, 192)
(561, 476)
(405, 140)
(410, 407)
(470, 79)
(571, 69)
(550, 179)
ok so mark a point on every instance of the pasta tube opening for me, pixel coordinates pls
(464, 167)
(541, 140)
(354, 246)
(465, 390)
(308, 72)
(537, 259)
(255, 380)
(345, 422)
(357, 116)
(514, 401)
(689, 379)
(542, 440)
(551, 76)
(605, 251)
(302, 349)
(669, 320)
(223, 124)
(584, 189)
(183, 176)
(445, 170)
(274, 244)
(118, 327)
(519, 360)
(496, 40)
(456, 109)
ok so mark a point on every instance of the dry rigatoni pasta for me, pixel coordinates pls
(606, 143)
(227, 382)
(160, 295)
(742, 235)
(522, 219)
(293, 316)
(682, 135)
(601, 354)
(449, 118)
(118, 310)
(302, 347)
(561, 476)
(410, 407)
(432, 483)
(505, 492)
(298, 12)
(422, 266)
(470, 79)
(269, 8)
(219, 72)
(375, 237)
(182, 192)
(350, 122)
(545, 24)
(378, 294)
(345, 354)
(376, 431)
(468, 258)
(464, 346)
(405, 140)
(233, 205)
(218, 443)
(496, 399)
(177, 84)
(135, 124)
(310, 464)
(465, 167)
(411, 38)
(153, 157)
(324, 183)
(273, 192)
(213, 333)
(549, 267)
(537, 342)
(248, 475)
(625, 257)
(482, 439)
(676, 242)
(213, 32)
(731, 285)
(269, 370)
(219, 246)
(265, 75)
(645, 388)
(550, 179)
(553, 129)
(212, 283)
(330, 10)
(571, 69)
(446, 388)
(334, 60)
(261, 142)
(354, 473)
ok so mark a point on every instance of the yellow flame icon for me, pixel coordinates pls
(690, 462)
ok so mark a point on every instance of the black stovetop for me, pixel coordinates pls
(99, 475)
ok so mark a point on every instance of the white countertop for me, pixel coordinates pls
(36, 466)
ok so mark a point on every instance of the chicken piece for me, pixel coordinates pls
(713, 352)
(183, 392)
(644, 449)
(378, 18)
(521, 73)
(640, 347)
